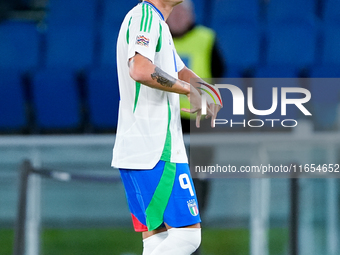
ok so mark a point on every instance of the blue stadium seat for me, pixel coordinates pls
(325, 101)
(325, 71)
(19, 45)
(202, 11)
(233, 72)
(226, 10)
(291, 10)
(12, 102)
(103, 98)
(331, 42)
(325, 96)
(70, 46)
(236, 23)
(56, 100)
(72, 12)
(110, 27)
(240, 43)
(114, 11)
(71, 33)
(276, 72)
(291, 44)
(109, 37)
(331, 11)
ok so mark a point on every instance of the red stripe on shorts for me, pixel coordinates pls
(139, 227)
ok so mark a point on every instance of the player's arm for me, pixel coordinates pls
(186, 74)
(145, 72)
(213, 107)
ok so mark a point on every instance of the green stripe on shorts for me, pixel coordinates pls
(160, 199)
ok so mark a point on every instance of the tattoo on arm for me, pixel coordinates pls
(163, 78)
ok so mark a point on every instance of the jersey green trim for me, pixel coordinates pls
(166, 155)
(143, 16)
(156, 208)
(136, 95)
(159, 43)
(150, 23)
(147, 18)
(128, 32)
(147, 15)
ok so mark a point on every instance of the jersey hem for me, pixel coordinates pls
(138, 166)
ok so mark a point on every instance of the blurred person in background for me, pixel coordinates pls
(197, 47)
(149, 149)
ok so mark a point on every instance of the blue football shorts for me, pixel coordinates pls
(164, 194)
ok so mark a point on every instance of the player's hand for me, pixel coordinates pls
(214, 109)
(213, 99)
(196, 105)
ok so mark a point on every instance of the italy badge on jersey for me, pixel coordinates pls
(142, 40)
(193, 207)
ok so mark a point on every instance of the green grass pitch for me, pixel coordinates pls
(126, 241)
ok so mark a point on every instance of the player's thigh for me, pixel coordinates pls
(182, 209)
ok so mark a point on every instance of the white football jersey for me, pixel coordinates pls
(149, 127)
